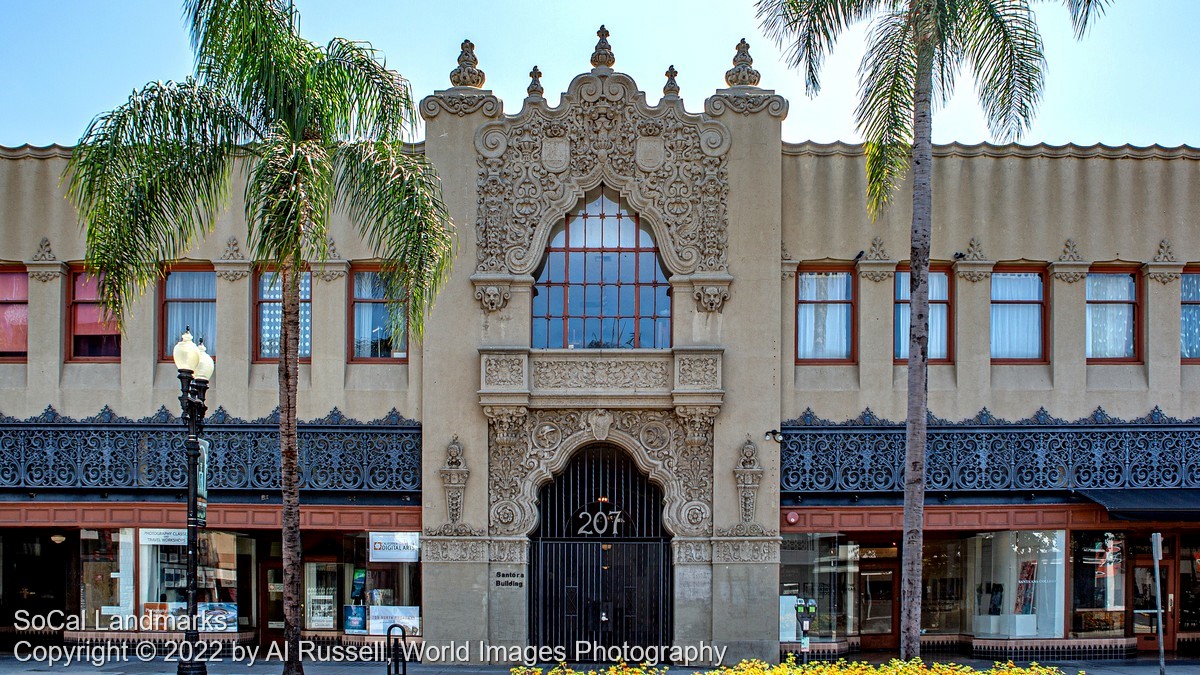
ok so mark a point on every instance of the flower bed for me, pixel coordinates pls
(790, 667)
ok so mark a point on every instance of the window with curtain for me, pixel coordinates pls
(189, 299)
(1018, 311)
(939, 315)
(269, 310)
(1111, 315)
(601, 284)
(91, 337)
(372, 337)
(824, 315)
(14, 315)
(1189, 326)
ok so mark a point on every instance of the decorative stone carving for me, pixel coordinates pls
(503, 371)
(233, 265)
(600, 374)
(44, 275)
(698, 372)
(691, 551)
(669, 165)
(44, 254)
(974, 265)
(746, 550)
(671, 88)
(876, 265)
(535, 90)
(453, 549)
(461, 103)
(467, 74)
(529, 447)
(710, 297)
(454, 475)
(1070, 267)
(1165, 268)
(44, 266)
(746, 103)
(492, 297)
(333, 268)
(603, 56)
(512, 551)
(742, 74)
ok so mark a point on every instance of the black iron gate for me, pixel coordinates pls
(601, 565)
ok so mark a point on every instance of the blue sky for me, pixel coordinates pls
(1132, 80)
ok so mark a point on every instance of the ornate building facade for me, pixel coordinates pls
(579, 449)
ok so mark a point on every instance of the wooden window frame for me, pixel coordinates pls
(637, 250)
(1139, 323)
(18, 269)
(1044, 273)
(74, 271)
(166, 355)
(847, 268)
(942, 268)
(350, 302)
(1188, 269)
(255, 301)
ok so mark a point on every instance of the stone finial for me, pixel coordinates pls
(603, 56)
(535, 89)
(741, 74)
(671, 88)
(467, 74)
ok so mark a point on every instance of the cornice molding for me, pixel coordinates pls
(1041, 150)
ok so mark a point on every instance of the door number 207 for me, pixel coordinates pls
(599, 523)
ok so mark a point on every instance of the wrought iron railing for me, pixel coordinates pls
(108, 452)
(866, 454)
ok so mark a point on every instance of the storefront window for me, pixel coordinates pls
(1098, 592)
(385, 585)
(106, 576)
(324, 589)
(1189, 583)
(942, 600)
(224, 579)
(1017, 579)
(816, 583)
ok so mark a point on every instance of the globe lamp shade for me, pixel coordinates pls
(205, 364)
(186, 354)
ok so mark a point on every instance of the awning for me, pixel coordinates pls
(1161, 504)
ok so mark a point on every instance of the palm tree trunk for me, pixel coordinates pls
(289, 465)
(918, 357)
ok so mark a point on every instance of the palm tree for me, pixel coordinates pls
(915, 48)
(312, 130)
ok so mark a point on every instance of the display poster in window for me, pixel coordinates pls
(358, 583)
(394, 546)
(354, 619)
(1026, 588)
(202, 485)
(218, 617)
(382, 616)
(321, 612)
(159, 536)
(787, 619)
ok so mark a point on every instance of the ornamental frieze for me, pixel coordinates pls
(600, 374)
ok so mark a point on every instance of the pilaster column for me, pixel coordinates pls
(47, 294)
(876, 292)
(973, 327)
(1068, 319)
(329, 327)
(234, 293)
(1163, 317)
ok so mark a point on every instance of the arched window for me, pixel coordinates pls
(601, 284)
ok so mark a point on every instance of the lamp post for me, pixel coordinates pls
(195, 368)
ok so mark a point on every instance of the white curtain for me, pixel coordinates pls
(1189, 333)
(271, 315)
(1016, 328)
(939, 324)
(1110, 326)
(823, 328)
(199, 312)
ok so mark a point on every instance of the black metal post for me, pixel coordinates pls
(192, 403)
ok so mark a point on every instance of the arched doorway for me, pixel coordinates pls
(600, 557)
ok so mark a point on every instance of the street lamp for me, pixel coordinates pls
(195, 368)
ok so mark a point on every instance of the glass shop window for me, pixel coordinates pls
(816, 583)
(106, 576)
(1098, 588)
(224, 580)
(1189, 583)
(1016, 583)
(385, 585)
(942, 602)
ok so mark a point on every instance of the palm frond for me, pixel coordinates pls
(807, 29)
(394, 197)
(1084, 12)
(1004, 50)
(148, 179)
(288, 199)
(363, 99)
(887, 82)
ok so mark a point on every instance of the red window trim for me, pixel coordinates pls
(255, 301)
(1139, 324)
(637, 249)
(805, 268)
(350, 301)
(1044, 273)
(166, 355)
(948, 270)
(1188, 269)
(74, 271)
(18, 269)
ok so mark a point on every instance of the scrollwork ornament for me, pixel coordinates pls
(744, 103)
(454, 549)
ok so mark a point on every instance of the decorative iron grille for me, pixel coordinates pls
(110, 452)
(987, 453)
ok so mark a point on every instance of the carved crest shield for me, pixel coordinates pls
(556, 154)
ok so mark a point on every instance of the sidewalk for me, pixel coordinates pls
(9, 664)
